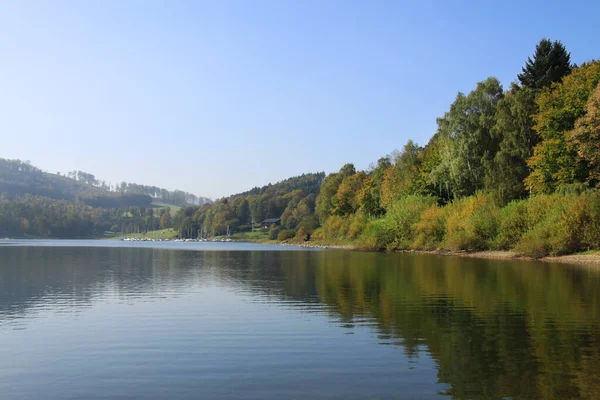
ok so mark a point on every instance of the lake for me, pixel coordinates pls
(107, 319)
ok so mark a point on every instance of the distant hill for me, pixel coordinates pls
(290, 203)
(309, 183)
(19, 178)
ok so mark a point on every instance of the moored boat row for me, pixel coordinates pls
(130, 239)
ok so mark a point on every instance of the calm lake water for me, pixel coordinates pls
(105, 320)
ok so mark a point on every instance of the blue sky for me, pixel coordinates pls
(218, 97)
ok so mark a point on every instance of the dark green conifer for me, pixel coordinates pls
(550, 63)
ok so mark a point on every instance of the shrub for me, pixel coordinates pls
(569, 224)
(549, 237)
(513, 224)
(590, 234)
(536, 226)
(472, 223)
(568, 234)
(356, 224)
(317, 234)
(429, 232)
(306, 228)
(576, 188)
(538, 208)
(303, 234)
(273, 232)
(402, 216)
(309, 223)
(376, 235)
(286, 234)
(536, 243)
(335, 227)
(542, 225)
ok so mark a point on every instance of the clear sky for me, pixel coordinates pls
(217, 97)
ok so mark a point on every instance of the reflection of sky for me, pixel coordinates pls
(209, 338)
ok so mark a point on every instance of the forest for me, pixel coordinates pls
(20, 177)
(508, 169)
(35, 203)
(42, 217)
(292, 200)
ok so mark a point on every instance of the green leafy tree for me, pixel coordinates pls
(517, 138)
(329, 188)
(424, 182)
(273, 232)
(369, 198)
(243, 211)
(468, 146)
(294, 213)
(399, 179)
(378, 171)
(554, 163)
(165, 219)
(347, 170)
(346, 199)
(585, 138)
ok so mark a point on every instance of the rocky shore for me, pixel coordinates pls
(581, 258)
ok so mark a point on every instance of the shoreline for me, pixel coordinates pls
(583, 258)
(577, 258)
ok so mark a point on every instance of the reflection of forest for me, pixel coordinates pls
(495, 328)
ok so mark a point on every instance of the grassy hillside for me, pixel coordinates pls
(160, 204)
(18, 178)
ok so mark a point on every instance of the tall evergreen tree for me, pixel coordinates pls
(550, 63)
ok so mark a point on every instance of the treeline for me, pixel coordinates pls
(511, 169)
(122, 200)
(175, 197)
(34, 203)
(292, 201)
(18, 178)
(37, 216)
(516, 169)
(308, 183)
